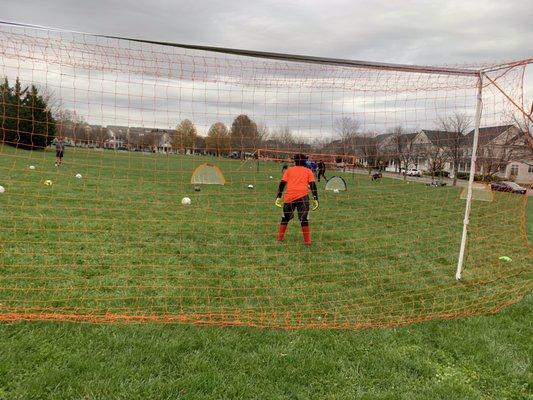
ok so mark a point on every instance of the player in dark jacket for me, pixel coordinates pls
(321, 170)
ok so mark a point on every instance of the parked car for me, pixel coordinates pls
(507, 186)
(414, 172)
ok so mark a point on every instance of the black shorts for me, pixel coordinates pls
(59, 153)
(302, 205)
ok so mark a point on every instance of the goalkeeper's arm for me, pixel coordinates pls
(314, 190)
(281, 187)
(314, 203)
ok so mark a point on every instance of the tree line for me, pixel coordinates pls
(27, 121)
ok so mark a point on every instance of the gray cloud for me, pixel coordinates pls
(416, 32)
(412, 31)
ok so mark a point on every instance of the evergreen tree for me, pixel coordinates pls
(25, 119)
(6, 110)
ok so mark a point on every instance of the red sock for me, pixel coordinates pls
(281, 233)
(307, 234)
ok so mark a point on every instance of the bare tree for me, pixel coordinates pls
(346, 129)
(524, 122)
(433, 151)
(52, 101)
(262, 133)
(96, 135)
(132, 138)
(457, 125)
(318, 144)
(149, 140)
(284, 136)
(69, 125)
(403, 148)
(495, 154)
(436, 153)
(368, 149)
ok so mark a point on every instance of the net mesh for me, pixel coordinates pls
(207, 174)
(109, 240)
(335, 183)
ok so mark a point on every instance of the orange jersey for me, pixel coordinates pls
(298, 179)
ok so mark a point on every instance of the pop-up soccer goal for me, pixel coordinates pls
(480, 192)
(336, 183)
(207, 174)
(118, 245)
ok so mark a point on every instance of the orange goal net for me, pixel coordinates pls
(138, 182)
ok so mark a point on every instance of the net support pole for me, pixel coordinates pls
(466, 221)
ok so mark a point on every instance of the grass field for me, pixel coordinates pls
(118, 244)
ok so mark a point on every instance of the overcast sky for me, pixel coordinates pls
(414, 32)
(403, 31)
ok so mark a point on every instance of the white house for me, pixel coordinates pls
(520, 172)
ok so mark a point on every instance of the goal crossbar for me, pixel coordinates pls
(275, 55)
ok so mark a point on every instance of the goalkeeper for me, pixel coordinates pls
(297, 179)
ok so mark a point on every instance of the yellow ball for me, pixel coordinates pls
(48, 182)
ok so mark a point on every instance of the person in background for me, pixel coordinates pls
(321, 170)
(60, 147)
(314, 167)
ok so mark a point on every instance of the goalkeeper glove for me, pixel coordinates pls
(314, 205)
(279, 202)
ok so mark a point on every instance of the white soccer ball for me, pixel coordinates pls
(78, 176)
(2, 189)
(250, 186)
(185, 201)
(32, 166)
(271, 177)
(48, 182)
(335, 190)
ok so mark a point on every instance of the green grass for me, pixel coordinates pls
(119, 241)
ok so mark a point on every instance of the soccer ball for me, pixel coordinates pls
(48, 182)
(78, 176)
(335, 190)
(250, 186)
(2, 189)
(185, 201)
(271, 177)
(32, 166)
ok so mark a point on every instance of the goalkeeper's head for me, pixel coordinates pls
(300, 159)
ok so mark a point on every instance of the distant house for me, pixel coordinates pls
(520, 172)
(499, 145)
(396, 151)
(437, 150)
(82, 134)
(114, 143)
(164, 141)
